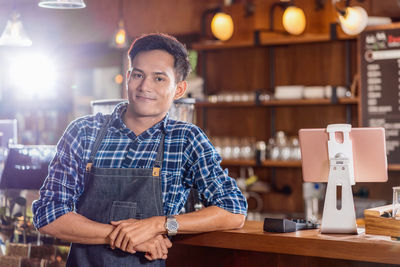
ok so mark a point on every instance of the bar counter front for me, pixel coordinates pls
(251, 246)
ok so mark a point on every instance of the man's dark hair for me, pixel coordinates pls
(161, 41)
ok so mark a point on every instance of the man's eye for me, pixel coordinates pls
(160, 79)
(137, 75)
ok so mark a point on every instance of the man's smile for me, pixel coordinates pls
(145, 98)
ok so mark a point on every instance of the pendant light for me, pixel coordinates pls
(294, 20)
(62, 4)
(222, 26)
(120, 38)
(353, 20)
(14, 33)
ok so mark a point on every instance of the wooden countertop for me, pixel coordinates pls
(361, 247)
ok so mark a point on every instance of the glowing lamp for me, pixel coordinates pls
(118, 79)
(14, 33)
(222, 26)
(294, 20)
(353, 20)
(62, 4)
(119, 39)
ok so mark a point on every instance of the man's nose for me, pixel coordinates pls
(145, 85)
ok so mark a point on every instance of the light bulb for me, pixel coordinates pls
(294, 20)
(120, 37)
(354, 21)
(222, 26)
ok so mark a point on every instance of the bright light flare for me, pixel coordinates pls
(33, 76)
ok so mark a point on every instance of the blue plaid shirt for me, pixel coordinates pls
(189, 160)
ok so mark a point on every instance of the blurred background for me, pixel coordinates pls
(263, 69)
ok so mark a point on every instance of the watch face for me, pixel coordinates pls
(172, 225)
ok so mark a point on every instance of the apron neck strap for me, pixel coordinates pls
(99, 138)
(160, 152)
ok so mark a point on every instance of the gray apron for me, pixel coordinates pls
(113, 194)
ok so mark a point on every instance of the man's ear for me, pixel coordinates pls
(180, 89)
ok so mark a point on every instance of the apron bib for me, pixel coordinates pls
(113, 194)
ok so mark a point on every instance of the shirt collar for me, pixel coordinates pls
(120, 109)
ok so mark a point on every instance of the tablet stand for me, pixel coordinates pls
(339, 217)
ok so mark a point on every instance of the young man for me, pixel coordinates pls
(117, 184)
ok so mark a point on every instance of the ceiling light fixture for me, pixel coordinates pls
(222, 26)
(120, 37)
(353, 20)
(62, 4)
(293, 19)
(14, 33)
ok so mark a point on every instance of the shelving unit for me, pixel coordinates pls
(277, 59)
(265, 163)
(286, 102)
(269, 39)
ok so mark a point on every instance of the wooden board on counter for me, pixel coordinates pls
(378, 225)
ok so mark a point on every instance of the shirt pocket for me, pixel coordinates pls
(122, 210)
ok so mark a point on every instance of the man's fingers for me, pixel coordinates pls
(113, 236)
(125, 242)
(130, 248)
(147, 256)
(159, 250)
(167, 242)
(163, 245)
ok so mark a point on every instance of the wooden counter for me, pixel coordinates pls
(251, 246)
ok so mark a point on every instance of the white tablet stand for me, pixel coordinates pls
(339, 217)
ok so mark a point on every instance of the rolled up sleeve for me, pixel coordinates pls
(215, 187)
(64, 183)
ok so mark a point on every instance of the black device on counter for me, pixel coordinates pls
(26, 166)
(286, 226)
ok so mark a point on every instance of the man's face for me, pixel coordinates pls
(152, 84)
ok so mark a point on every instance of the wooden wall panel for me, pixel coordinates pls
(243, 69)
(239, 122)
(313, 64)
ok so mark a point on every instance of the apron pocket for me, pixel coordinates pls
(122, 210)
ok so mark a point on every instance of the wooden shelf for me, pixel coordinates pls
(207, 104)
(216, 44)
(265, 163)
(305, 102)
(239, 162)
(281, 163)
(394, 167)
(288, 102)
(270, 39)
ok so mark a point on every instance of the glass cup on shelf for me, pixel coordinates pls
(216, 141)
(226, 148)
(235, 148)
(246, 150)
(236, 97)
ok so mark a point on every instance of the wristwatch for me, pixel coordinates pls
(171, 225)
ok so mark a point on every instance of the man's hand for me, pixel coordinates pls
(155, 248)
(130, 233)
